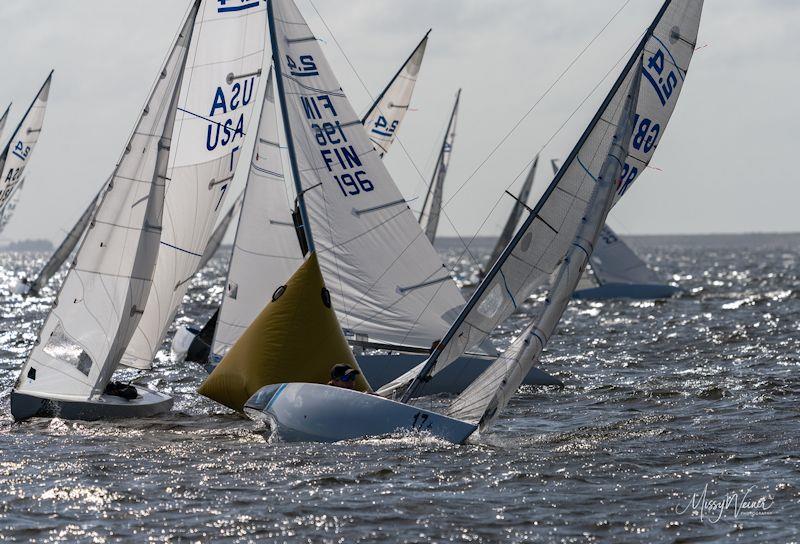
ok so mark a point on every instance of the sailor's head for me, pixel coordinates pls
(344, 375)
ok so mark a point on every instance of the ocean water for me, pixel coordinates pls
(679, 422)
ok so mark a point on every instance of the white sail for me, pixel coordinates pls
(516, 213)
(541, 242)
(219, 232)
(388, 283)
(222, 77)
(384, 118)
(101, 300)
(64, 250)
(266, 251)
(3, 119)
(19, 149)
(432, 205)
(483, 400)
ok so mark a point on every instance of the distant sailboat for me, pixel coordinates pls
(3, 119)
(556, 236)
(384, 117)
(18, 151)
(219, 232)
(432, 205)
(615, 271)
(81, 342)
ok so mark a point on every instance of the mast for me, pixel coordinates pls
(437, 171)
(301, 201)
(424, 374)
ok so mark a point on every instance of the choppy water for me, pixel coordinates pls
(663, 401)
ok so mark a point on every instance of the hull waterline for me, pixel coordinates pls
(149, 403)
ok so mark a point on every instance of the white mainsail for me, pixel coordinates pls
(64, 250)
(516, 213)
(219, 232)
(265, 251)
(483, 400)
(19, 149)
(542, 241)
(388, 283)
(432, 205)
(11, 205)
(101, 300)
(384, 118)
(222, 77)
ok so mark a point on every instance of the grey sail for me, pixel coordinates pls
(432, 205)
(516, 213)
(219, 232)
(64, 250)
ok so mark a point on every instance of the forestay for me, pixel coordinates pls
(387, 282)
(265, 250)
(217, 100)
(101, 300)
(219, 232)
(64, 250)
(542, 240)
(432, 205)
(486, 397)
(384, 118)
(19, 149)
(516, 213)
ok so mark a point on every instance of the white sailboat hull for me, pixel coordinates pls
(149, 403)
(635, 291)
(305, 412)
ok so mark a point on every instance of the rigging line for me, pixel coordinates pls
(397, 137)
(528, 164)
(535, 104)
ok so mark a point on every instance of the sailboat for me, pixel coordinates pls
(553, 243)
(80, 344)
(432, 205)
(18, 151)
(615, 271)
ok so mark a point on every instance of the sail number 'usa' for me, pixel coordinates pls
(339, 156)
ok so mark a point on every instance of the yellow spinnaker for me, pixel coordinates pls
(295, 338)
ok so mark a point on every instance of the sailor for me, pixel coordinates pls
(344, 376)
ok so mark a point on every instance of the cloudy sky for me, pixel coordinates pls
(723, 165)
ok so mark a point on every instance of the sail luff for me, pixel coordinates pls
(537, 246)
(384, 117)
(490, 392)
(429, 216)
(516, 213)
(287, 128)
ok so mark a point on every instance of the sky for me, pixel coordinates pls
(722, 165)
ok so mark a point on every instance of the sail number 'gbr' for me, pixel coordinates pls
(339, 156)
